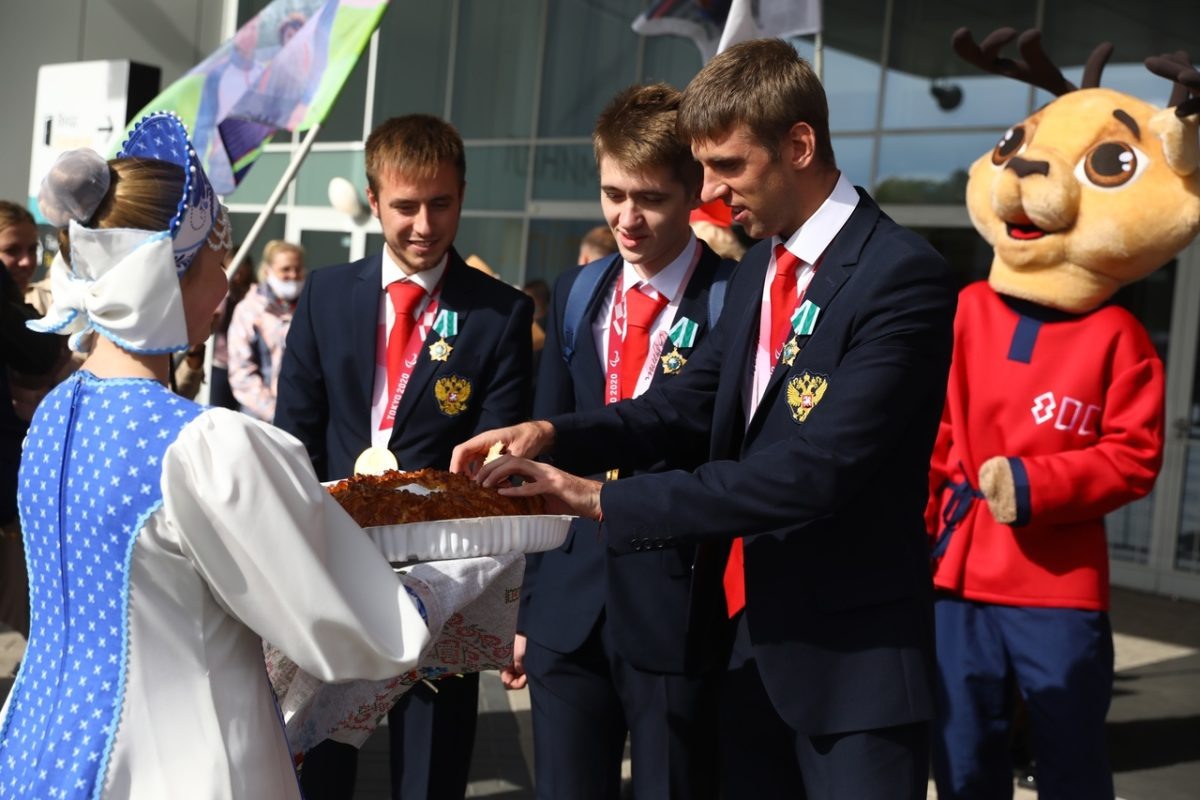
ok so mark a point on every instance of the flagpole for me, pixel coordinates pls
(276, 196)
(819, 46)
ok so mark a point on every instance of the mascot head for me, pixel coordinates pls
(1094, 190)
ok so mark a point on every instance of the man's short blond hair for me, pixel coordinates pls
(414, 146)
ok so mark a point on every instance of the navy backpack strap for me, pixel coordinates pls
(716, 291)
(577, 302)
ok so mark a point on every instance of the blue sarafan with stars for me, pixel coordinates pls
(91, 475)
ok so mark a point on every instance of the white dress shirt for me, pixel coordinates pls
(669, 282)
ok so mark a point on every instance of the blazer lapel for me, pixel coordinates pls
(741, 337)
(454, 296)
(364, 332)
(836, 266)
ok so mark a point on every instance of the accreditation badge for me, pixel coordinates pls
(804, 392)
(452, 393)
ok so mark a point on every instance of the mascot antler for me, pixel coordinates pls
(1176, 67)
(1037, 69)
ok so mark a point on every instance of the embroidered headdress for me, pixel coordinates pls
(123, 283)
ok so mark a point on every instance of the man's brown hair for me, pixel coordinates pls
(413, 146)
(637, 130)
(763, 84)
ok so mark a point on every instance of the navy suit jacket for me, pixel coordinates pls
(328, 370)
(838, 593)
(654, 618)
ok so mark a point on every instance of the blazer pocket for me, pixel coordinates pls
(677, 561)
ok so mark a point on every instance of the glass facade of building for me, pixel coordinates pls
(523, 80)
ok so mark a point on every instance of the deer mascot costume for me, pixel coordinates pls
(1054, 415)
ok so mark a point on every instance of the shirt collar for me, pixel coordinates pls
(669, 280)
(426, 279)
(814, 236)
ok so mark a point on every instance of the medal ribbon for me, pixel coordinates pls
(412, 353)
(683, 333)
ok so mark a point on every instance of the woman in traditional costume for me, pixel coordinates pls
(166, 539)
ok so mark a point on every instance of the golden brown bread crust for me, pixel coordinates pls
(375, 500)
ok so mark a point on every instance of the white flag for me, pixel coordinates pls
(714, 25)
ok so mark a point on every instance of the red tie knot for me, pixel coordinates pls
(405, 296)
(641, 309)
(785, 262)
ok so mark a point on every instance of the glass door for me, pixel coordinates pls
(1155, 542)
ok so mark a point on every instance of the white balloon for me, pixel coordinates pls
(344, 197)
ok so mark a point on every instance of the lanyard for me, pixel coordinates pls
(616, 338)
(412, 353)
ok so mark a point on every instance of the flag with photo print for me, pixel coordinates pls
(282, 70)
(714, 25)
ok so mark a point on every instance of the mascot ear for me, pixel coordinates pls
(1180, 140)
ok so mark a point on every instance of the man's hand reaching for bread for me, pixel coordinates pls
(527, 440)
(564, 493)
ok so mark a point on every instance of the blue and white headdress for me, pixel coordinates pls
(124, 283)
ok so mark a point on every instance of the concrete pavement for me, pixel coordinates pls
(1153, 725)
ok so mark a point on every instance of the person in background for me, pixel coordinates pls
(31, 353)
(32, 363)
(596, 244)
(259, 329)
(539, 293)
(409, 350)
(713, 223)
(241, 281)
(18, 245)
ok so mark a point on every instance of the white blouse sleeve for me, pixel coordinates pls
(279, 553)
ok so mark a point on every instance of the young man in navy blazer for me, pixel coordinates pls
(408, 350)
(598, 666)
(818, 397)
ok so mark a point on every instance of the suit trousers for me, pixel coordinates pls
(584, 703)
(431, 735)
(1061, 661)
(430, 738)
(763, 758)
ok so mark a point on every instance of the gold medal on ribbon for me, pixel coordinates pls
(672, 362)
(790, 351)
(375, 461)
(440, 350)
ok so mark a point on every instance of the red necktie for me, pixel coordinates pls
(783, 299)
(405, 297)
(783, 303)
(640, 312)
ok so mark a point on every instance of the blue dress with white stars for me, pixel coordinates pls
(163, 539)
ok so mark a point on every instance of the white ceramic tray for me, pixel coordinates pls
(468, 538)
